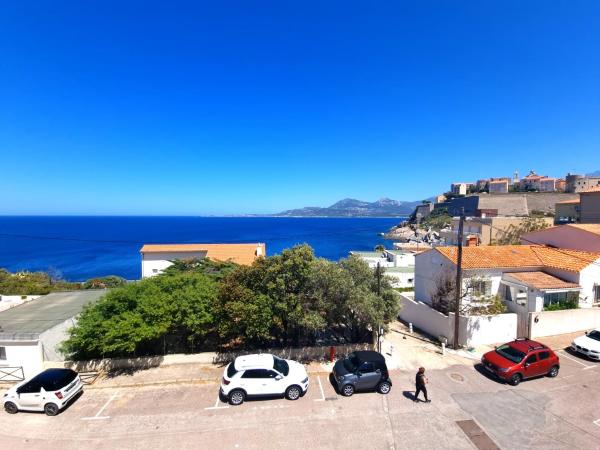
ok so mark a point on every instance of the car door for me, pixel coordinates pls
(367, 376)
(273, 383)
(532, 366)
(251, 382)
(545, 364)
(30, 396)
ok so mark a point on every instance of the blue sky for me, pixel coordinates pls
(239, 107)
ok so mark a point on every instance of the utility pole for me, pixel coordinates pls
(458, 289)
(378, 274)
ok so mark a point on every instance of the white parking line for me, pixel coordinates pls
(98, 416)
(563, 353)
(217, 405)
(322, 399)
(597, 422)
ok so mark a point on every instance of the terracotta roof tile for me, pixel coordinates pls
(569, 202)
(542, 280)
(238, 253)
(517, 256)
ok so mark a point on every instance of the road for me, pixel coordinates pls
(542, 413)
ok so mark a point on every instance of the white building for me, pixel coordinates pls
(399, 265)
(31, 333)
(551, 274)
(156, 258)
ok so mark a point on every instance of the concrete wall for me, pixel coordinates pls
(52, 338)
(473, 330)
(550, 323)
(590, 208)
(110, 364)
(26, 354)
(564, 237)
(485, 330)
(8, 301)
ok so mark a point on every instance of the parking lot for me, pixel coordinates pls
(541, 413)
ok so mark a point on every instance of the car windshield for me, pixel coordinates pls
(281, 365)
(594, 335)
(510, 353)
(351, 363)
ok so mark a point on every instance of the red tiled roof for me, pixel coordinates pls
(518, 256)
(542, 280)
(238, 253)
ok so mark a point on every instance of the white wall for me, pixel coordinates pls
(485, 330)
(8, 301)
(473, 331)
(27, 354)
(429, 267)
(158, 262)
(423, 317)
(551, 323)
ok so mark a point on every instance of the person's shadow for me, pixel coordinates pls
(410, 395)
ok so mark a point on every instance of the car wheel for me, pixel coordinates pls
(384, 387)
(293, 392)
(11, 408)
(237, 397)
(515, 379)
(347, 390)
(51, 409)
(553, 372)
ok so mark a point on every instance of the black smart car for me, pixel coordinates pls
(362, 371)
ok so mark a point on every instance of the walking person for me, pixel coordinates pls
(420, 382)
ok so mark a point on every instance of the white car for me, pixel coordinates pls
(263, 375)
(49, 391)
(588, 345)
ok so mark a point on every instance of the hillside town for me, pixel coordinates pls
(528, 258)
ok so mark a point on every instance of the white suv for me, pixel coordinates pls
(263, 375)
(49, 391)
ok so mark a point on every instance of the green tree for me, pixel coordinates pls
(131, 319)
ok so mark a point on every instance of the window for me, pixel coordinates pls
(367, 367)
(481, 287)
(553, 298)
(30, 388)
(3, 353)
(597, 293)
(259, 373)
(531, 359)
(544, 355)
(154, 270)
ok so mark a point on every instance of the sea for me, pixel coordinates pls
(82, 247)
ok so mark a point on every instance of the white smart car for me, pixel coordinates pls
(588, 345)
(263, 375)
(49, 391)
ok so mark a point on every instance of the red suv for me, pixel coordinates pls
(520, 359)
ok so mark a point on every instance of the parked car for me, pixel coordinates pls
(362, 371)
(588, 345)
(49, 391)
(521, 359)
(263, 375)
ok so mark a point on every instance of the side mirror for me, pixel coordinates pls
(279, 377)
(526, 364)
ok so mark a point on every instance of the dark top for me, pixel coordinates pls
(420, 380)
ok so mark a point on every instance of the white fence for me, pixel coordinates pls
(550, 323)
(473, 330)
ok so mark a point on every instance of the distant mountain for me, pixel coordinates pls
(594, 174)
(350, 207)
